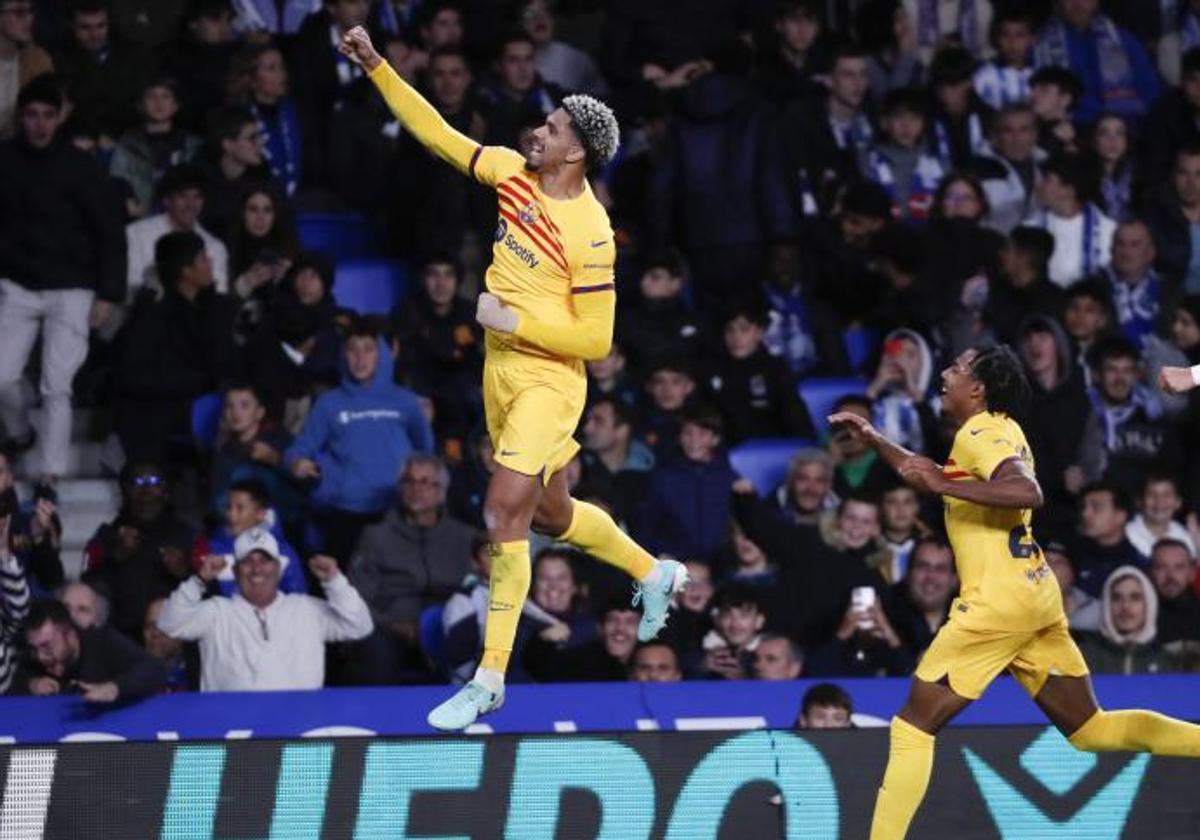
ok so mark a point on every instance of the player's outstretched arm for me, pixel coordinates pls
(1178, 380)
(848, 422)
(420, 118)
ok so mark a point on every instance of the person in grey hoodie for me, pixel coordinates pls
(1126, 641)
(415, 557)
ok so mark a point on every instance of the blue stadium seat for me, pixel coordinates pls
(820, 393)
(341, 236)
(369, 287)
(206, 419)
(433, 636)
(861, 343)
(765, 461)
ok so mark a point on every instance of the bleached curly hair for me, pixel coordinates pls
(596, 125)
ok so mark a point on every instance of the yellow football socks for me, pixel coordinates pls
(506, 595)
(910, 761)
(1137, 730)
(594, 531)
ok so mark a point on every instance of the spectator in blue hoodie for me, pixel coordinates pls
(687, 512)
(355, 442)
(248, 505)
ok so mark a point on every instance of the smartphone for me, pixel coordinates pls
(862, 599)
(42, 490)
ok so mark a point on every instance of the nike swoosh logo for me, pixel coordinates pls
(975, 432)
(508, 453)
(598, 244)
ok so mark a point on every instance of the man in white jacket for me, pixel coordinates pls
(262, 639)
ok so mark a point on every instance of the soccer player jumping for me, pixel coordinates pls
(549, 305)
(1009, 615)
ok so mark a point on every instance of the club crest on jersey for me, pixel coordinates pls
(530, 213)
(501, 229)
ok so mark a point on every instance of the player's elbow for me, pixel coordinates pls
(596, 348)
(1036, 499)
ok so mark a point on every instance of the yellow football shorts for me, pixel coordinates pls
(532, 408)
(972, 658)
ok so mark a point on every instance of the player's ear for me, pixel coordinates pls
(576, 153)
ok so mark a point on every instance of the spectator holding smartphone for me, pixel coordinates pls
(98, 663)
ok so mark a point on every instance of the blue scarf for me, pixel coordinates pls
(998, 85)
(1138, 306)
(1114, 417)
(789, 334)
(282, 148)
(853, 137)
(1116, 72)
(941, 139)
(265, 15)
(1115, 191)
(928, 34)
(926, 177)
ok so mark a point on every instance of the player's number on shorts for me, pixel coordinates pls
(1016, 545)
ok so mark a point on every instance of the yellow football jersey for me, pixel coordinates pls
(1005, 581)
(546, 252)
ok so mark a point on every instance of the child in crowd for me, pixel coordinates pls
(902, 164)
(248, 506)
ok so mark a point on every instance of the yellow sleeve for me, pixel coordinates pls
(981, 450)
(594, 301)
(487, 164)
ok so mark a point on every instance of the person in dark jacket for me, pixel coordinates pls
(355, 441)
(798, 52)
(34, 533)
(172, 350)
(803, 329)
(295, 354)
(439, 348)
(605, 659)
(820, 136)
(714, 190)
(687, 511)
(142, 554)
(519, 98)
(660, 321)
(234, 165)
(1173, 122)
(1174, 219)
(62, 254)
(452, 207)
(1061, 428)
(1173, 570)
(102, 70)
(1023, 288)
(754, 390)
(416, 556)
(918, 605)
(100, 664)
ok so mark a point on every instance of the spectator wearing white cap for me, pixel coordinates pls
(263, 639)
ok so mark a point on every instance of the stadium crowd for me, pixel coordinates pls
(806, 190)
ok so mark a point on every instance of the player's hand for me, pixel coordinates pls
(491, 313)
(356, 45)
(857, 427)
(324, 567)
(921, 474)
(1176, 380)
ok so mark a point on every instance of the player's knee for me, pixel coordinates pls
(504, 519)
(1095, 735)
(552, 518)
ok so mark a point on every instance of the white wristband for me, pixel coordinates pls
(1195, 369)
